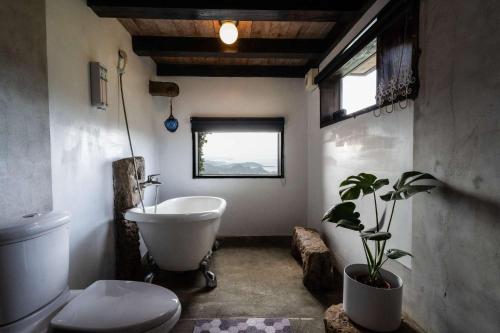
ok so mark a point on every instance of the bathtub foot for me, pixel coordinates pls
(210, 277)
(216, 246)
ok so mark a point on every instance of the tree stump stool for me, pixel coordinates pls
(317, 265)
(336, 321)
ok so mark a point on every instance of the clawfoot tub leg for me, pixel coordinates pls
(153, 269)
(210, 278)
(216, 246)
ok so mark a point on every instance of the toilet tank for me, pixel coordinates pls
(34, 260)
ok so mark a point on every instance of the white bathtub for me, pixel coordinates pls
(181, 232)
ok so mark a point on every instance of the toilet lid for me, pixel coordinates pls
(117, 306)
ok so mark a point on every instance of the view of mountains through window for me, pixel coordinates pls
(238, 154)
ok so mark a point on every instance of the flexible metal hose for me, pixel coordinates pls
(136, 175)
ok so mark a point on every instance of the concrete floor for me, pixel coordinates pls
(256, 278)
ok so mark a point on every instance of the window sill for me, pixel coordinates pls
(237, 176)
(329, 122)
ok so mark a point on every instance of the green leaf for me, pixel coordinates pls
(342, 211)
(350, 225)
(396, 254)
(379, 183)
(404, 188)
(344, 216)
(364, 183)
(376, 236)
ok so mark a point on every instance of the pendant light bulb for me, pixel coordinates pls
(228, 32)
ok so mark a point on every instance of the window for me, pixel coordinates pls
(359, 86)
(378, 68)
(237, 147)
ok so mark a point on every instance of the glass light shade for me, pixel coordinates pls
(228, 32)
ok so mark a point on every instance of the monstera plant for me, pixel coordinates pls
(367, 306)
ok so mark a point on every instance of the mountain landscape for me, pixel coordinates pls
(225, 168)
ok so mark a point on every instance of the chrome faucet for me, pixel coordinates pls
(151, 180)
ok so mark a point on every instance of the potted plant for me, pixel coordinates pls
(373, 296)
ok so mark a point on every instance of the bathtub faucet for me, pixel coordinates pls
(151, 180)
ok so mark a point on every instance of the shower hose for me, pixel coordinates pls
(121, 71)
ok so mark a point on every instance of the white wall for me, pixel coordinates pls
(382, 146)
(85, 140)
(255, 206)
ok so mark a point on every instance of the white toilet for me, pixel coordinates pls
(34, 296)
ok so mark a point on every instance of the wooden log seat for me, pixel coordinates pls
(336, 321)
(317, 264)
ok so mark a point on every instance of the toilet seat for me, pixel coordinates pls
(118, 306)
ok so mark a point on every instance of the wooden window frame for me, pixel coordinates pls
(392, 12)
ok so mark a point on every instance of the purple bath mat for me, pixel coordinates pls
(244, 325)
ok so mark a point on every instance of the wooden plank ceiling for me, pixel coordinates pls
(281, 39)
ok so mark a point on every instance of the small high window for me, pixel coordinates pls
(237, 147)
(377, 69)
(359, 86)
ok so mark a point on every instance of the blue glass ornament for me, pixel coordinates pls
(171, 123)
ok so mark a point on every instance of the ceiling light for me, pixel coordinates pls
(228, 32)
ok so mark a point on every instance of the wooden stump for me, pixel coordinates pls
(311, 251)
(128, 255)
(336, 321)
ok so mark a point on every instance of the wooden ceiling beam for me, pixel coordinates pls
(212, 47)
(163, 69)
(241, 10)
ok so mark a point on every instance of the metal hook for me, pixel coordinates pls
(392, 108)
(405, 105)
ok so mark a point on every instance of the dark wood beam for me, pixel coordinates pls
(163, 69)
(209, 47)
(244, 10)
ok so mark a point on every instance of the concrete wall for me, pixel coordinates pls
(86, 140)
(454, 285)
(24, 113)
(255, 206)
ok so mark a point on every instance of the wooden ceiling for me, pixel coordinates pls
(276, 38)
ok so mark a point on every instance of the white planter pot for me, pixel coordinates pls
(377, 309)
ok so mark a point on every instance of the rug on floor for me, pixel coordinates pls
(243, 325)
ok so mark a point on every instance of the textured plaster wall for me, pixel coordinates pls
(255, 207)
(86, 140)
(25, 178)
(455, 283)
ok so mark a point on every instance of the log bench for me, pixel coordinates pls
(317, 265)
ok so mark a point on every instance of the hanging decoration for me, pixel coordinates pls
(171, 123)
(397, 64)
(166, 89)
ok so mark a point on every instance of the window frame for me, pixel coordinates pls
(239, 123)
(364, 38)
(393, 11)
